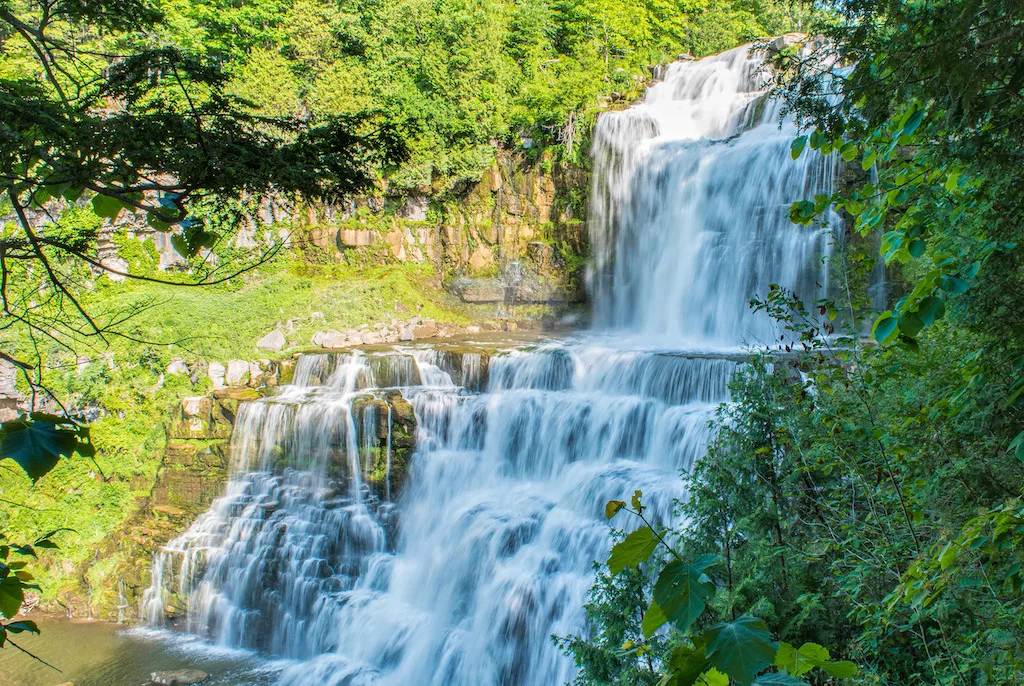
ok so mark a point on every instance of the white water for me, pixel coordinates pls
(488, 550)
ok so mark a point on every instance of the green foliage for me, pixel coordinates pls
(14, 581)
(38, 441)
(737, 649)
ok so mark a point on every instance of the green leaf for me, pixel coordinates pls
(849, 151)
(869, 160)
(12, 595)
(930, 310)
(947, 556)
(1017, 446)
(796, 148)
(799, 662)
(916, 247)
(954, 285)
(686, 664)
(682, 590)
(106, 206)
(612, 508)
(952, 181)
(632, 550)
(741, 648)
(154, 221)
(37, 443)
(913, 121)
(713, 677)
(843, 669)
(22, 626)
(654, 619)
(911, 324)
(884, 330)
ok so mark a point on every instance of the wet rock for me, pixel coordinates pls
(180, 677)
(480, 290)
(256, 373)
(195, 406)
(272, 341)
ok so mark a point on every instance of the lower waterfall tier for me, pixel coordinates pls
(464, 565)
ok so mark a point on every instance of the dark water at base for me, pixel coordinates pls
(100, 654)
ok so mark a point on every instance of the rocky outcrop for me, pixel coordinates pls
(388, 451)
(179, 677)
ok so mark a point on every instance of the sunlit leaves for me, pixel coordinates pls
(632, 550)
(796, 148)
(612, 508)
(798, 662)
(654, 619)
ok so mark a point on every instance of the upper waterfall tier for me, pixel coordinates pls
(690, 208)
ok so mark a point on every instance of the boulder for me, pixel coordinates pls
(179, 677)
(784, 41)
(372, 338)
(237, 371)
(425, 330)
(255, 373)
(472, 328)
(272, 341)
(406, 334)
(177, 367)
(195, 406)
(216, 374)
(333, 339)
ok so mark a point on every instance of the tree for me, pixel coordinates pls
(94, 113)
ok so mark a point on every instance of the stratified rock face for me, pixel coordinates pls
(356, 238)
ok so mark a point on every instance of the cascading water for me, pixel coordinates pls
(488, 548)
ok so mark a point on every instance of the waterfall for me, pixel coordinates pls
(460, 576)
(690, 208)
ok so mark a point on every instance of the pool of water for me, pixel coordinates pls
(101, 654)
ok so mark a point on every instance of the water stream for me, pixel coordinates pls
(459, 574)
